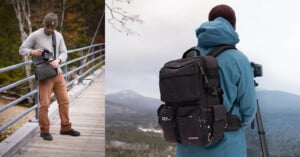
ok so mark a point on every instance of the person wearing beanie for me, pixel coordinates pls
(33, 46)
(236, 77)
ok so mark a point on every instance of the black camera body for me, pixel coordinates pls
(46, 55)
(257, 69)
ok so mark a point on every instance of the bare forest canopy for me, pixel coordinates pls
(78, 21)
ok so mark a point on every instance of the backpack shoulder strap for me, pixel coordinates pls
(215, 52)
(218, 50)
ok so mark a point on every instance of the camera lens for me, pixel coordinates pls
(45, 55)
(257, 69)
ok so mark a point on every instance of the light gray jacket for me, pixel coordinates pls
(40, 40)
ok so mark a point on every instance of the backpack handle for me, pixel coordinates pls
(192, 52)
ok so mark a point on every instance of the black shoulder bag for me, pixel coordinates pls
(44, 70)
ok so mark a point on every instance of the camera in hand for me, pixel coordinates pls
(257, 69)
(46, 55)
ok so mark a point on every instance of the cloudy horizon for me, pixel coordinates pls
(268, 34)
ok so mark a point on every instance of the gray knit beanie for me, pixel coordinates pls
(50, 20)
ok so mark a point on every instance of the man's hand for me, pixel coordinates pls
(55, 63)
(37, 52)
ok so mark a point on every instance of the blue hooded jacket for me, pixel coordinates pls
(237, 82)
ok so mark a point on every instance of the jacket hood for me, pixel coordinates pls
(216, 32)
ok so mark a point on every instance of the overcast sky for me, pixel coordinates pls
(269, 34)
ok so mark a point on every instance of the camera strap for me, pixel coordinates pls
(54, 44)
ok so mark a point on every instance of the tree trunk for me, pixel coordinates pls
(27, 14)
(22, 10)
(62, 15)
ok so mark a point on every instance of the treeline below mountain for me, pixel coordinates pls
(77, 21)
(122, 136)
(128, 141)
(282, 135)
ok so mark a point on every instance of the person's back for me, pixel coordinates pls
(236, 77)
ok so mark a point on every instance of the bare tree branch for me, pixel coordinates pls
(120, 18)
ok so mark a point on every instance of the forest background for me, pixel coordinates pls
(77, 21)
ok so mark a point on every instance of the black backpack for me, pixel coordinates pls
(193, 112)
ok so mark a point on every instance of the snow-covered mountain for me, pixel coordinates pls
(132, 100)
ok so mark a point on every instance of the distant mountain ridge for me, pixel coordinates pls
(133, 100)
(273, 104)
(129, 108)
(280, 114)
(278, 101)
(269, 101)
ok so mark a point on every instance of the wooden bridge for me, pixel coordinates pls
(87, 116)
(86, 93)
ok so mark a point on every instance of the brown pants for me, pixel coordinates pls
(58, 85)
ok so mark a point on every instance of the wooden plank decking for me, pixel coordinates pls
(87, 113)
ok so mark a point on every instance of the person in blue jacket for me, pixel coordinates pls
(237, 82)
